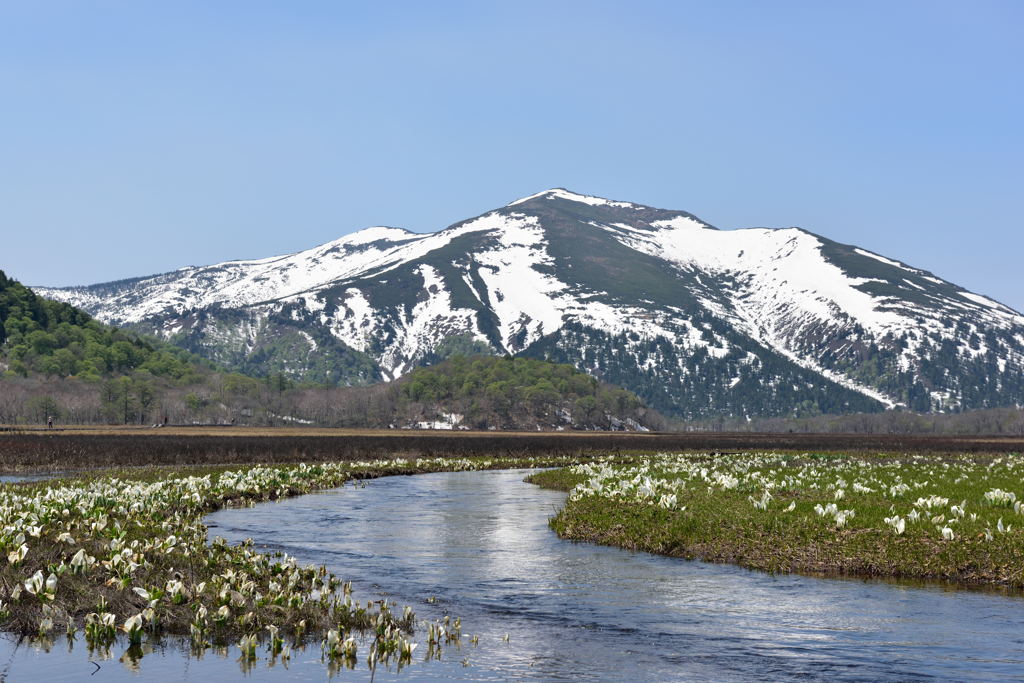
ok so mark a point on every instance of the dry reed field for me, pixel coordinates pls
(40, 450)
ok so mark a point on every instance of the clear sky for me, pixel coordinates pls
(137, 137)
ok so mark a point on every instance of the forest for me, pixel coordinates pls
(58, 362)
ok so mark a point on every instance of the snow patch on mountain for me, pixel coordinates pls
(355, 326)
(784, 285)
(993, 305)
(890, 262)
(681, 223)
(778, 271)
(430, 321)
(561, 193)
(377, 234)
(525, 299)
(244, 283)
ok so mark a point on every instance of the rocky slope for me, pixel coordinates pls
(697, 321)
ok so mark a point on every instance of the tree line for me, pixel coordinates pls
(474, 393)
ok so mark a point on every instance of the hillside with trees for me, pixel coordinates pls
(519, 393)
(463, 392)
(57, 361)
(53, 339)
(102, 373)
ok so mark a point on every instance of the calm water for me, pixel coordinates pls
(479, 543)
(32, 476)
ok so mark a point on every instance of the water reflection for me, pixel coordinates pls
(480, 543)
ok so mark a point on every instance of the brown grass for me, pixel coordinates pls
(41, 450)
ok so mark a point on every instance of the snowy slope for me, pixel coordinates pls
(698, 320)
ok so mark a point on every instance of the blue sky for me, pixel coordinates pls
(137, 137)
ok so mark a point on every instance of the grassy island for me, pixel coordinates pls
(956, 517)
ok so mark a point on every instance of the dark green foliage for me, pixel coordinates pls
(520, 393)
(976, 382)
(457, 345)
(699, 385)
(57, 340)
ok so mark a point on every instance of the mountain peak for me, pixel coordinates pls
(701, 321)
(562, 193)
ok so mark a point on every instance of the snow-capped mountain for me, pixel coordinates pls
(696, 320)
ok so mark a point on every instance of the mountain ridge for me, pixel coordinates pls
(837, 322)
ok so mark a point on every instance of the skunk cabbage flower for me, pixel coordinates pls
(18, 554)
(34, 584)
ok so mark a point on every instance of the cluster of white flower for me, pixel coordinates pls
(1001, 497)
(88, 532)
(840, 517)
(786, 483)
(630, 484)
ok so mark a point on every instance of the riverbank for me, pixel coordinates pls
(534, 607)
(125, 553)
(950, 518)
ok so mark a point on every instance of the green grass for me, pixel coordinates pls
(714, 516)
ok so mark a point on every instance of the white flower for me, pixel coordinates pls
(132, 624)
(761, 504)
(18, 554)
(898, 524)
(34, 584)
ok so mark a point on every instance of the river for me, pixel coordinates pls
(477, 545)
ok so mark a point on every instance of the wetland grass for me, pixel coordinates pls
(952, 518)
(124, 554)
